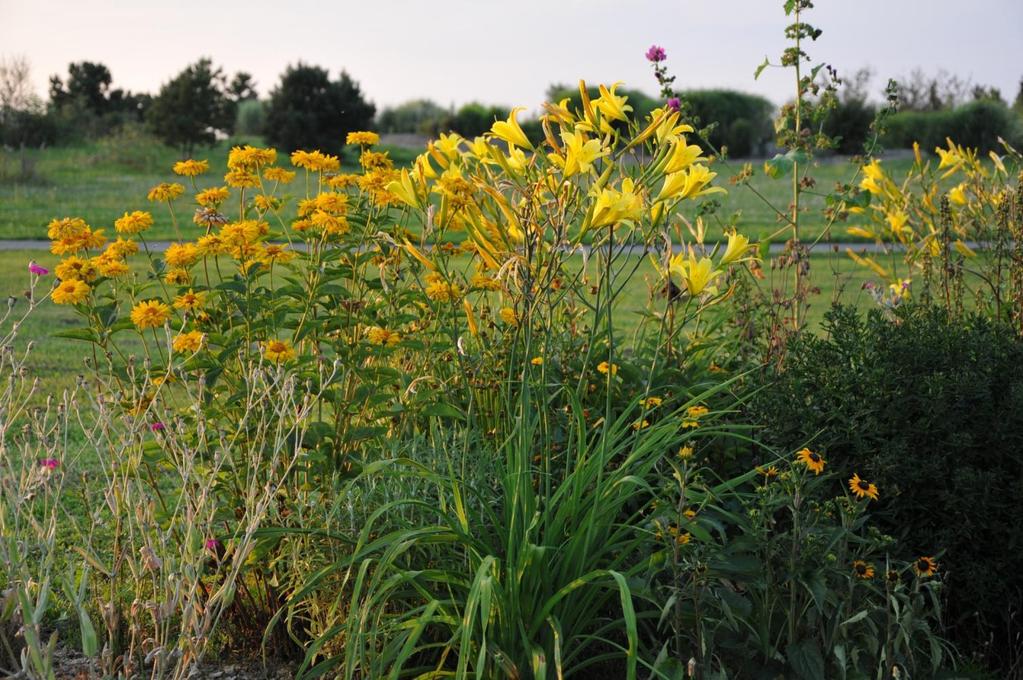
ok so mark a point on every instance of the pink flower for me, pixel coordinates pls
(49, 463)
(157, 426)
(656, 54)
(674, 104)
(36, 269)
(212, 544)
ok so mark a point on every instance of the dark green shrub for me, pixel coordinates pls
(849, 125)
(419, 116)
(192, 108)
(308, 110)
(473, 119)
(977, 124)
(931, 411)
(743, 120)
(28, 129)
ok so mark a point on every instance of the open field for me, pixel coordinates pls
(100, 181)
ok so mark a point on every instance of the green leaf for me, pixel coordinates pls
(442, 410)
(760, 69)
(806, 660)
(86, 334)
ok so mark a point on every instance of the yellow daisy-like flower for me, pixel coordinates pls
(177, 277)
(66, 228)
(276, 252)
(133, 222)
(363, 138)
(863, 570)
(76, 268)
(165, 191)
(211, 198)
(925, 566)
(110, 266)
(191, 168)
(181, 254)
(606, 368)
(278, 175)
(315, 161)
(693, 415)
(150, 314)
(212, 244)
(241, 179)
(686, 452)
(484, 282)
(121, 248)
(536, 361)
(651, 402)
(382, 336)
(188, 343)
(508, 316)
(812, 460)
(641, 424)
(338, 182)
(250, 157)
(862, 488)
(440, 290)
(278, 351)
(70, 292)
(190, 301)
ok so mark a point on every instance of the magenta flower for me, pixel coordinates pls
(656, 54)
(49, 463)
(36, 269)
(157, 426)
(674, 103)
(212, 544)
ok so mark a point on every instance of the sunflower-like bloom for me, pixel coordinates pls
(607, 368)
(133, 222)
(693, 415)
(181, 254)
(863, 569)
(190, 301)
(177, 277)
(121, 248)
(278, 175)
(213, 197)
(110, 266)
(315, 161)
(651, 402)
(250, 158)
(862, 488)
(191, 168)
(75, 268)
(811, 459)
(278, 351)
(382, 336)
(188, 343)
(439, 290)
(150, 314)
(242, 179)
(508, 316)
(66, 228)
(362, 138)
(925, 566)
(165, 191)
(70, 292)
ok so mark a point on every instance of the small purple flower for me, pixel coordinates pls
(36, 269)
(49, 463)
(656, 54)
(212, 544)
(674, 103)
(157, 426)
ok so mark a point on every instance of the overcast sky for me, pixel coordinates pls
(508, 52)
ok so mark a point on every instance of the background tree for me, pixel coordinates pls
(242, 87)
(308, 110)
(193, 108)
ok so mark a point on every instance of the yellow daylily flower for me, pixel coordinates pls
(405, 190)
(738, 246)
(509, 130)
(696, 274)
(859, 231)
(957, 194)
(580, 153)
(448, 144)
(682, 155)
(964, 249)
(691, 183)
(611, 105)
(897, 221)
(613, 206)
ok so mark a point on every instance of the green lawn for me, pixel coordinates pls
(101, 180)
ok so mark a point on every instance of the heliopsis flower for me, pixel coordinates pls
(241, 179)
(484, 282)
(121, 248)
(149, 314)
(276, 252)
(208, 217)
(812, 460)
(250, 158)
(177, 277)
(862, 488)
(85, 240)
(536, 361)
(315, 161)
(693, 415)
(363, 138)
(651, 402)
(266, 203)
(686, 452)
(111, 266)
(66, 228)
(76, 268)
(70, 292)
(190, 342)
(165, 191)
(925, 566)
(381, 336)
(133, 222)
(212, 244)
(278, 351)
(863, 570)
(607, 368)
(338, 182)
(278, 175)
(191, 168)
(440, 290)
(769, 472)
(641, 424)
(181, 254)
(508, 316)
(211, 198)
(190, 301)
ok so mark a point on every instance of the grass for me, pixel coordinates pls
(101, 180)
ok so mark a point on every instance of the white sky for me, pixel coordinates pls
(509, 51)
